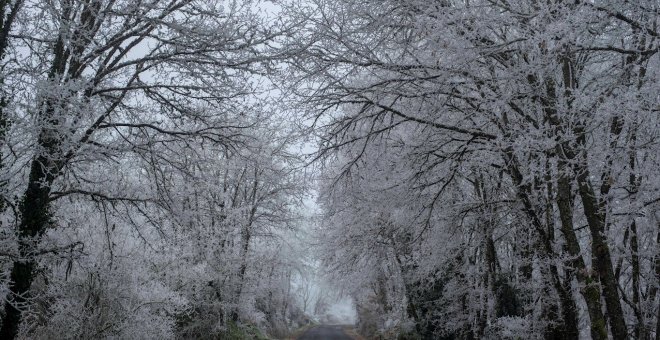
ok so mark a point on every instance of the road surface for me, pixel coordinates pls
(325, 333)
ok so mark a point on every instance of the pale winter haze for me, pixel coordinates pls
(310, 169)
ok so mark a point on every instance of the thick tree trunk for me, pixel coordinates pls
(34, 221)
(588, 286)
(245, 245)
(601, 255)
(44, 169)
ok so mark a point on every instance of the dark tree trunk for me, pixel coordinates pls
(6, 23)
(589, 287)
(33, 209)
(602, 258)
(34, 221)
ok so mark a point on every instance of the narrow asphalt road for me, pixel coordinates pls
(325, 333)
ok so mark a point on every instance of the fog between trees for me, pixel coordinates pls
(483, 168)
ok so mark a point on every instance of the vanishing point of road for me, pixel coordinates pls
(325, 333)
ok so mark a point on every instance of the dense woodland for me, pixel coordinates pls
(482, 169)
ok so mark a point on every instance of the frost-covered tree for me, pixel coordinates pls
(143, 162)
(513, 145)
